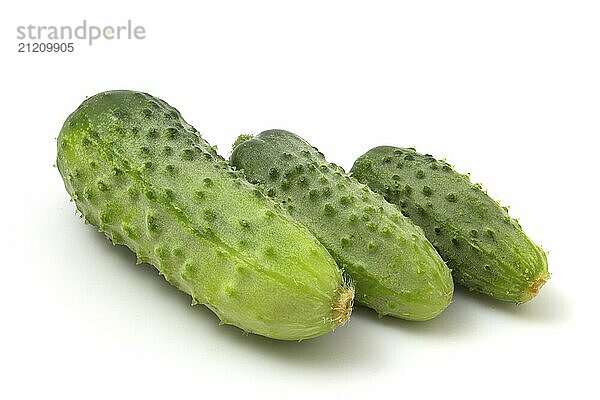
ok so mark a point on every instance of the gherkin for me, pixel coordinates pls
(395, 269)
(486, 249)
(137, 171)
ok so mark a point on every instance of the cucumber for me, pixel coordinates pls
(137, 171)
(395, 269)
(486, 249)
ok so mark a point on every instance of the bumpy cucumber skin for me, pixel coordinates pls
(395, 269)
(486, 249)
(144, 177)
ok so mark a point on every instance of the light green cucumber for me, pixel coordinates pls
(144, 177)
(487, 250)
(396, 271)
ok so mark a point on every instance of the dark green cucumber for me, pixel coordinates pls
(144, 177)
(395, 269)
(487, 250)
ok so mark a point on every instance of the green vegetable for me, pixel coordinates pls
(487, 250)
(146, 178)
(395, 269)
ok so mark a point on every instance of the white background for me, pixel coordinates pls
(506, 90)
